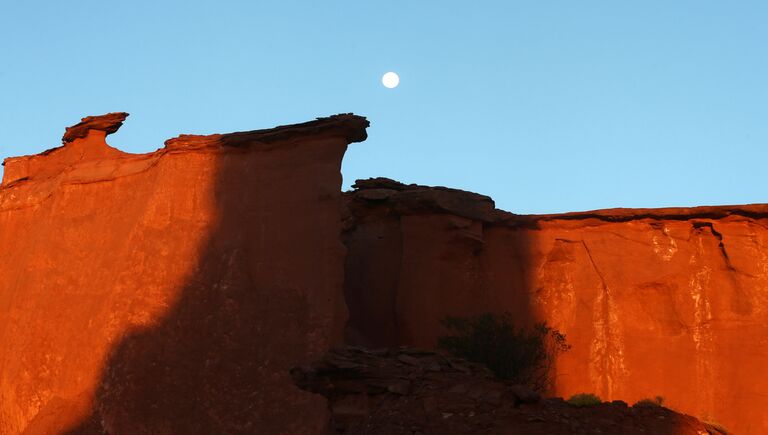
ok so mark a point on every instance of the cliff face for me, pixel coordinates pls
(171, 291)
(670, 302)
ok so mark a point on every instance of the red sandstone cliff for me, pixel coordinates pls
(170, 292)
(670, 302)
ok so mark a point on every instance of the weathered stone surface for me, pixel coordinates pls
(670, 302)
(108, 123)
(391, 392)
(170, 292)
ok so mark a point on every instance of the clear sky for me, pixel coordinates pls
(547, 106)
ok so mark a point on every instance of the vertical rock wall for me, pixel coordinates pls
(170, 292)
(670, 302)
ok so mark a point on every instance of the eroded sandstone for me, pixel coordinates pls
(170, 292)
(670, 302)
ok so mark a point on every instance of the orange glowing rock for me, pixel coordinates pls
(670, 302)
(171, 291)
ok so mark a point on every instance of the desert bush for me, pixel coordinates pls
(656, 401)
(584, 399)
(522, 356)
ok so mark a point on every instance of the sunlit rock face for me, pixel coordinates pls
(661, 302)
(170, 292)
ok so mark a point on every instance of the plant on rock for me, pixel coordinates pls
(584, 399)
(656, 401)
(522, 356)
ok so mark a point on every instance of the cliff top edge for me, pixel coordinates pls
(85, 141)
(414, 199)
(352, 127)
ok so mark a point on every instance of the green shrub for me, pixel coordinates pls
(521, 356)
(584, 399)
(656, 401)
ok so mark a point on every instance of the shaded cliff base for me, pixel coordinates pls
(406, 391)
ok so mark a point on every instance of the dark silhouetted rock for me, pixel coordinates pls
(388, 392)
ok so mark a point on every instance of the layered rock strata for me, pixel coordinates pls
(171, 292)
(670, 302)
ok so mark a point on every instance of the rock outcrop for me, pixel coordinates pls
(171, 292)
(405, 391)
(109, 123)
(670, 302)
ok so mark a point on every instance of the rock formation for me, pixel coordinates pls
(171, 292)
(670, 302)
(405, 391)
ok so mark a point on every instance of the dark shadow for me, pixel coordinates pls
(372, 269)
(264, 296)
(417, 254)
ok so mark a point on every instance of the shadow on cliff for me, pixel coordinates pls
(218, 360)
(417, 254)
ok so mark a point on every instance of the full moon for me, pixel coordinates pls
(390, 80)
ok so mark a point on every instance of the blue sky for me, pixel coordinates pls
(547, 106)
